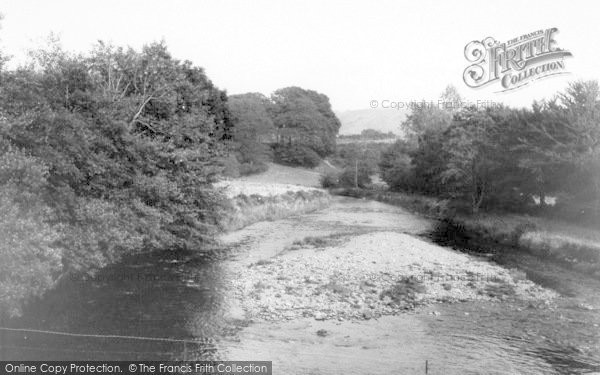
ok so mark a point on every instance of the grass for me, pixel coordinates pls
(245, 210)
(279, 192)
(404, 291)
(282, 174)
(234, 188)
(541, 236)
(317, 242)
(417, 203)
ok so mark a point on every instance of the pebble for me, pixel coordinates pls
(320, 316)
(322, 333)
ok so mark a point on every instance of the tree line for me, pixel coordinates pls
(500, 158)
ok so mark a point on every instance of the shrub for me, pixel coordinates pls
(351, 176)
(329, 180)
(30, 256)
(231, 166)
(296, 155)
(396, 167)
(253, 157)
(252, 168)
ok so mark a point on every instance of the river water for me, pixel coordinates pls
(182, 297)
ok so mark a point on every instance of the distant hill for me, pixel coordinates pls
(384, 120)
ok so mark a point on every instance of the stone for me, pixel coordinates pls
(322, 333)
(320, 316)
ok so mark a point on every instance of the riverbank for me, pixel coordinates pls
(571, 245)
(251, 202)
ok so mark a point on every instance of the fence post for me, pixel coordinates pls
(3, 342)
(426, 366)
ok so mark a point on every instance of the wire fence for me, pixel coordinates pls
(196, 341)
(183, 342)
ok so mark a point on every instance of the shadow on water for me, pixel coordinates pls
(565, 334)
(169, 294)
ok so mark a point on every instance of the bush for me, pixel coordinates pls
(253, 157)
(296, 155)
(396, 168)
(30, 256)
(231, 166)
(350, 177)
(252, 168)
(329, 180)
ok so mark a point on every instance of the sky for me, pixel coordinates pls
(352, 51)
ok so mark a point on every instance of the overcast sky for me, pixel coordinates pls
(353, 51)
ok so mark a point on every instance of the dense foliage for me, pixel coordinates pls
(305, 118)
(101, 156)
(366, 154)
(367, 135)
(497, 157)
(295, 155)
(254, 131)
(294, 127)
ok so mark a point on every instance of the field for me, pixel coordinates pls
(281, 174)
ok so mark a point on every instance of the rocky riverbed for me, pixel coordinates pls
(370, 275)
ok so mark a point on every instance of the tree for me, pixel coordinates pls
(564, 139)
(253, 130)
(396, 167)
(468, 170)
(305, 117)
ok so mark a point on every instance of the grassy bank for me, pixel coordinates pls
(428, 206)
(272, 202)
(548, 238)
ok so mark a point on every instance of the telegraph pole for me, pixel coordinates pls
(356, 173)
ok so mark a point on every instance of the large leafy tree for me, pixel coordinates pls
(471, 168)
(304, 117)
(425, 128)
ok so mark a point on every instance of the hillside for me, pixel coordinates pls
(384, 120)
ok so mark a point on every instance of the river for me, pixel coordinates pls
(126, 311)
